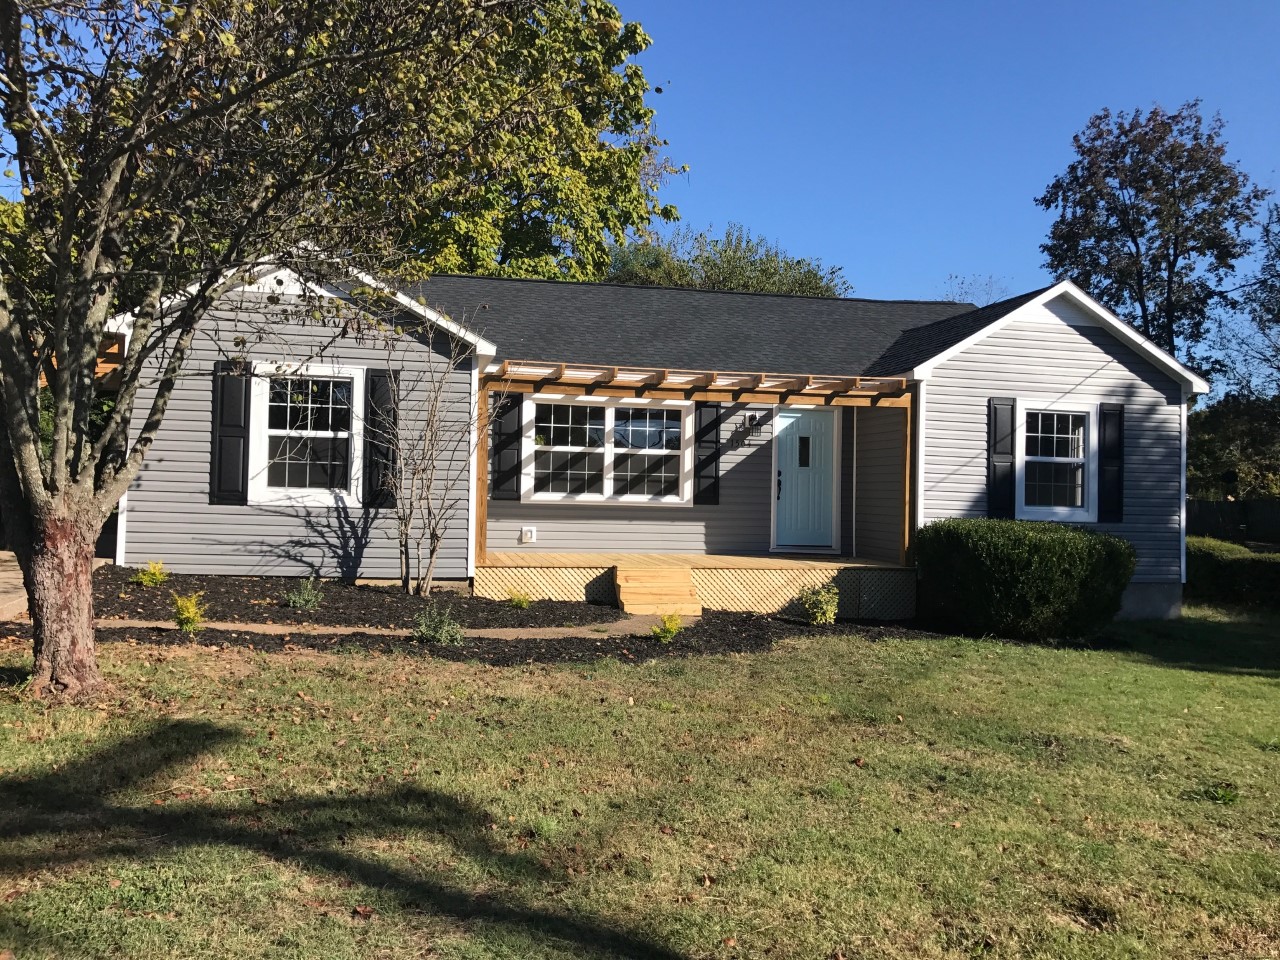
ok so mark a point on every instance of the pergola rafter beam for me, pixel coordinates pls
(528, 376)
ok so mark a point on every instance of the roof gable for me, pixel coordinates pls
(1010, 310)
(270, 279)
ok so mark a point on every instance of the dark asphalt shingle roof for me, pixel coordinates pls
(618, 325)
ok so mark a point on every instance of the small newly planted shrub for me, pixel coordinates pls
(1219, 571)
(1020, 579)
(152, 575)
(820, 604)
(305, 596)
(668, 628)
(519, 600)
(436, 625)
(189, 612)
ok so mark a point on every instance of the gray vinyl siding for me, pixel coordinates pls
(739, 523)
(1059, 355)
(168, 514)
(881, 465)
(847, 481)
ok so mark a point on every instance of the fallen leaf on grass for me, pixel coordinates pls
(363, 912)
(114, 884)
(12, 895)
(666, 829)
(730, 941)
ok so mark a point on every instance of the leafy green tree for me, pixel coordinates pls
(160, 150)
(1234, 448)
(1260, 345)
(737, 262)
(1152, 219)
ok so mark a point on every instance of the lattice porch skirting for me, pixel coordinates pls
(866, 593)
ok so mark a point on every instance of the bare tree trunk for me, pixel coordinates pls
(424, 584)
(59, 577)
(405, 577)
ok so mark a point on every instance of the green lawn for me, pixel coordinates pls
(837, 797)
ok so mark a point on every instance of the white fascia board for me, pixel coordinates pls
(1108, 320)
(485, 350)
(123, 322)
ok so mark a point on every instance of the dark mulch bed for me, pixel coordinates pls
(717, 632)
(261, 600)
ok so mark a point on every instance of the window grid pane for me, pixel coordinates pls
(568, 425)
(309, 404)
(556, 471)
(646, 429)
(1050, 484)
(646, 475)
(318, 463)
(1057, 435)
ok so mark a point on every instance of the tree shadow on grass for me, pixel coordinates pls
(73, 819)
(14, 676)
(1240, 642)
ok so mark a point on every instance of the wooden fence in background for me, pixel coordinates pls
(1235, 519)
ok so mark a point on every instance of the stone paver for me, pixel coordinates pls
(630, 627)
(13, 596)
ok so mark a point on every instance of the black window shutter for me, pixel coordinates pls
(706, 453)
(1111, 463)
(229, 446)
(380, 422)
(504, 448)
(1000, 458)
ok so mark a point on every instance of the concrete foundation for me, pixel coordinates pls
(1151, 601)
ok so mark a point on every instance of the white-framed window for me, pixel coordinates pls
(606, 450)
(1057, 459)
(306, 438)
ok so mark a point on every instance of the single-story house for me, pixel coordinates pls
(671, 448)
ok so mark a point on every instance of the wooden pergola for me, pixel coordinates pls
(631, 382)
(578, 380)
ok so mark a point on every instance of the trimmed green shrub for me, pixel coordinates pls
(820, 604)
(1222, 572)
(1020, 579)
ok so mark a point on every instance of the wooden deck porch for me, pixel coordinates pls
(686, 583)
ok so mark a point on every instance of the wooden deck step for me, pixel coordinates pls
(657, 590)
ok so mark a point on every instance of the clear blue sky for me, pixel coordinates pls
(906, 141)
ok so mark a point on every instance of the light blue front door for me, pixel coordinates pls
(804, 484)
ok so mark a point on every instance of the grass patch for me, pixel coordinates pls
(902, 798)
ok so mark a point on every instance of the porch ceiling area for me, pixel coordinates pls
(571, 379)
